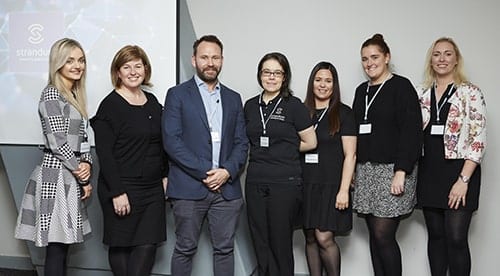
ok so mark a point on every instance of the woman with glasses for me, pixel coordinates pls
(454, 113)
(279, 128)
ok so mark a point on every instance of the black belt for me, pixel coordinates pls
(76, 153)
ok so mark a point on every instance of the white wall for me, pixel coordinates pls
(102, 28)
(310, 31)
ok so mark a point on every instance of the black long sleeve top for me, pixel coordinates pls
(396, 124)
(123, 133)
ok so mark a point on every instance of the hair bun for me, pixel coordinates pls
(378, 36)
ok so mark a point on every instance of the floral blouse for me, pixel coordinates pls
(465, 128)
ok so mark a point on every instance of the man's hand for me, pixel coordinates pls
(216, 178)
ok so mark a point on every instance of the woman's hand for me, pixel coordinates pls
(342, 201)
(83, 172)
(164, 181)
(398, 183)
(87, 191)
(457, 194)
(121, 205)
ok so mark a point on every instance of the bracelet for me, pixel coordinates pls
(465, 179)
(83, 183)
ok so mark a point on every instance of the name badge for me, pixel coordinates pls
(365, 128)
(264, 141)
(437, 129)
(84, 147)
(312, 158)
(215, 136)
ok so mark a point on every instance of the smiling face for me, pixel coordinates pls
(323, 86)
(73, 68)
(132, 74)
(208, 61)
(375, 63)
(444, 59)
(272, 76)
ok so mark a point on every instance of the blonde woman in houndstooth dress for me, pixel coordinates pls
(53, 214)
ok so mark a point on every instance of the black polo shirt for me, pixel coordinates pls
(280, 161)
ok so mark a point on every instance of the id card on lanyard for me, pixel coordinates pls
(264, 139)
(366, 127)
(313, 158)
(437, 128)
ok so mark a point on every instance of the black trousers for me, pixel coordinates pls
(272, 210)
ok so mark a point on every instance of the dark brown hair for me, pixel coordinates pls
(207, 38)
(285, 90)
(377, 40)
(334, 105)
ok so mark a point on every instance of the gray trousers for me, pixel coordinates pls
(222, 216)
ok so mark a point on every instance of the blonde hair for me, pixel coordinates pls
(59, 54)
(458, 72)
(124, 55)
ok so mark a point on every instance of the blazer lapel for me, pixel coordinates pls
(194, 93)
(226, 106)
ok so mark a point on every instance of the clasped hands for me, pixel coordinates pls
(216, 178)
(83, 175)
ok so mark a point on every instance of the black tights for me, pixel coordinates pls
(448, 246)
(55, 259)
(384, 249)
(322, 252)
(132, 261)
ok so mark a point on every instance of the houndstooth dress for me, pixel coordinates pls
(51, 208)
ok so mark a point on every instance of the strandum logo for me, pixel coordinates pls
(35, 38)
(36, 33)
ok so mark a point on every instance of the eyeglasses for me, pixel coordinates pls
(267, 73)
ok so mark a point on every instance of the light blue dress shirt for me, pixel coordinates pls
(213, 108)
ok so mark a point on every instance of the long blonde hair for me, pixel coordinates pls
(458, 73)
(59, 54)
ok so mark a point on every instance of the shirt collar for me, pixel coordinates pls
(201, 83)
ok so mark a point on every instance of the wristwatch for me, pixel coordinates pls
(465, 179)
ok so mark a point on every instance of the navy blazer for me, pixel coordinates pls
(188, 143)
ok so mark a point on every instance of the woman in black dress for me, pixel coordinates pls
(454, 114)
(132, 177)
(327, 171)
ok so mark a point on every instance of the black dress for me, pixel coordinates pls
(436, 175)
(322, 180)
(132, 161)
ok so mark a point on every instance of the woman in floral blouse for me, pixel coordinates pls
(454, 122)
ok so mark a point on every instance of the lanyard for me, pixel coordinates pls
(368, 104)
(264, 122)
(447, 97)
(320, 117)
(86, 127)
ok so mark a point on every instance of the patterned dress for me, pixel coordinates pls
(51, 209)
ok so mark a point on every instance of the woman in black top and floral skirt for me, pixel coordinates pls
(327, 171)
(389, 144)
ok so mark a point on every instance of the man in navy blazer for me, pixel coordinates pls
(204, 135)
